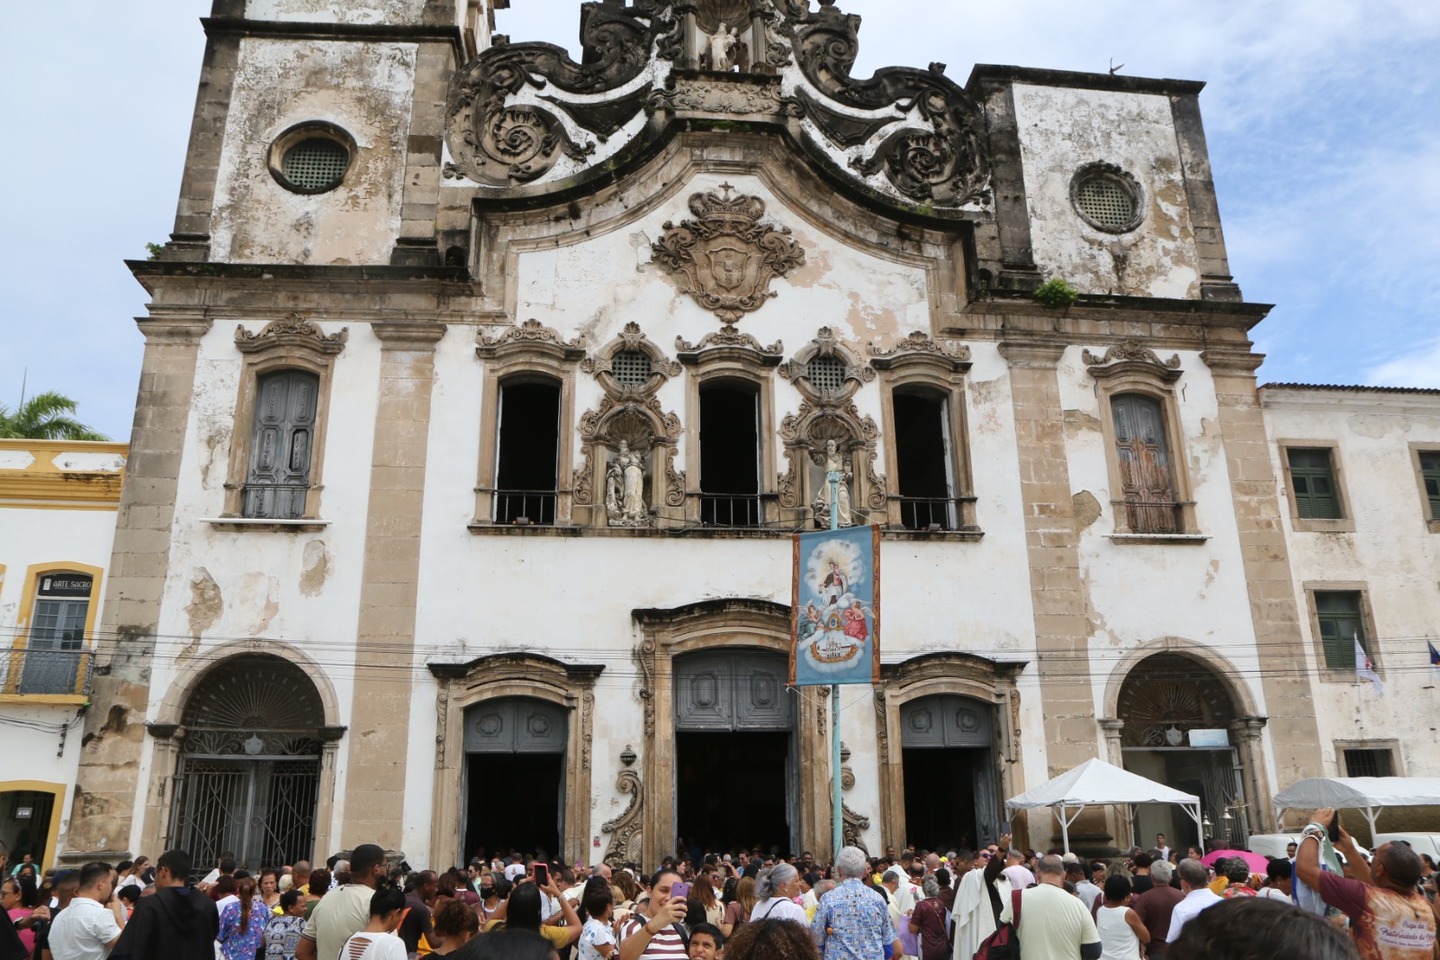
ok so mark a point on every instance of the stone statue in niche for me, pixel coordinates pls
(835, 463)
(723, 48)
(625, 489)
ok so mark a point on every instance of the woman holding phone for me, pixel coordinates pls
(522, 912)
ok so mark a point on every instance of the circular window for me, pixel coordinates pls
(311, 157)
(826, 374)
(1107, 198)
(631, 368)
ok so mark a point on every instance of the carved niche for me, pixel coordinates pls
(725, 258)
(827, 374)
(631, 370)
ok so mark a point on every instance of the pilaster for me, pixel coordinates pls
(1289, 698)
(1052, 545)
(380, 722)
(103, 814)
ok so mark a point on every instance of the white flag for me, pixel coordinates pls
(1365, 668)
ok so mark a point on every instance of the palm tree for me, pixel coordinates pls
(45, 416)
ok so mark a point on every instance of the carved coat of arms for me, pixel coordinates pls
(725, 258)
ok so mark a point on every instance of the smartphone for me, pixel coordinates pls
(542, 875)
(680, 891)
(1335, 827)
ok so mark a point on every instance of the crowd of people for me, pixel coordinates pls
(996, 902)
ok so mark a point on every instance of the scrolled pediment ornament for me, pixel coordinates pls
(921, 343)
(531, 334)
(726, 258)
(1130, 356)
(292, 332)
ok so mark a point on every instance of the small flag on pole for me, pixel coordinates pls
(1434, 660)
(1365, 668)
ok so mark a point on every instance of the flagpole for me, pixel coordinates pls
(837, 833)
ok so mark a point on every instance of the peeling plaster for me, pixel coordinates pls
(1086, 508)
(316, 568)
(205, 608)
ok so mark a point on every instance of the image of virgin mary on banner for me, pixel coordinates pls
(835, 608)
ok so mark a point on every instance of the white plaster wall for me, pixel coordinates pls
(364, 88)
(261, 576)
(1391, 551)
(1138, 592)
(338, 11)
(1064, 129)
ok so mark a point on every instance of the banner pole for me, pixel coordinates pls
(837, 832)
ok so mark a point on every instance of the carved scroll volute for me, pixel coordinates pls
(626, 836)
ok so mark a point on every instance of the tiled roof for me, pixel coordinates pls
(1350, 388)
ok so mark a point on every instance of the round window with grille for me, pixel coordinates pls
(631, 368)
(311, 157)
(826, 374)
(1107, 198)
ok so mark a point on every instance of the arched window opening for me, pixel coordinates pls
(528, 455)
(730, 454)
(281, 443)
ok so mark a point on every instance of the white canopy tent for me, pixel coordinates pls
(1369, 795)
(1097, 783)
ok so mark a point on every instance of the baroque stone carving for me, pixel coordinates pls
(1131, 356)
(1130, 350)
(531, 331)
(910, 138)
(853, 826)
(625, 489)
(625, 830)
(292, 332)
(806, 435)
(641, 424)
(726, 257)
(826, 345)
(730, 336)
(920, 342)
(630, 340)
(645, 659)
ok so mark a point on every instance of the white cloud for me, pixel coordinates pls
(1416, 369)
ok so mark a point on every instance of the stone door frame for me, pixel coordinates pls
(731, 624)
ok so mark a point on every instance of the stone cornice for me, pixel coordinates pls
(400, 334)
(1036, 354)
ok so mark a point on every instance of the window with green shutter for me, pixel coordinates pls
(1430, 475)
(1340, 625)
(1312, 475)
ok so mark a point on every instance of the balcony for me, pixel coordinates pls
(46, 673)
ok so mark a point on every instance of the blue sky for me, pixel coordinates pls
(1323, 119)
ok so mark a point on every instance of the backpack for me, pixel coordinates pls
(1004, 943)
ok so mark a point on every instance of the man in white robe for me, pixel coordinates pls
(974, 920)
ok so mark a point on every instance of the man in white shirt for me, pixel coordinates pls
(1161, 847)
(343, 912)
(88, 928)
(1198, 896)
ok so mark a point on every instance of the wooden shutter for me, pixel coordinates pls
(281, 445)
(1144, 454)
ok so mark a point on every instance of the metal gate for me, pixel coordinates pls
(248, 777)
(263, 811)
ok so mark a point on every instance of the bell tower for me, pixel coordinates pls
(317, 129)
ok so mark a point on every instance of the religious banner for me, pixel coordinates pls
(835, 607)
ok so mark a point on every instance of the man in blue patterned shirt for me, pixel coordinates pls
(853, 922)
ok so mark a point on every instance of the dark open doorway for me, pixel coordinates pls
(731, 790)
(730, 454)
(513, 803)
(940, 789)
(526, 477)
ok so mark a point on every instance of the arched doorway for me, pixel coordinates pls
(248, 775)
(515, 777)
(948, 762)
(1178, 715)
(734, 713)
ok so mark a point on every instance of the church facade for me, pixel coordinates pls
(484, 389)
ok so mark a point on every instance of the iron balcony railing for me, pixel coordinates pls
(526, 506)
(44, 672)
(731, 510)
(929, 513)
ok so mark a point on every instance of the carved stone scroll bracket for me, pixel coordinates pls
(1129, 357)
(626, 837)
(853, 827)
(725, 257)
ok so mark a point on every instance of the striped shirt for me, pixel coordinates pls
(665, 945)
